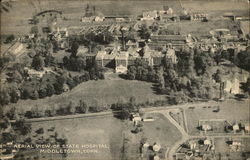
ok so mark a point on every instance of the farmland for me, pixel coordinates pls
(15, 23)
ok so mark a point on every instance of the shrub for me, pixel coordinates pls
(40, 131)
(9, 38)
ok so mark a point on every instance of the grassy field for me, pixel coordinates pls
(101, 92)
(224, 149)
(197, 28)
(161, 131)
(231, 111)
(157, 131)
(204, 6)
(12, 22)
(91, 130)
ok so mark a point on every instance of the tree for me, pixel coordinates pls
(4, 97)
(15, 95)
(131, 72)
(74, 48)
(217, 76)
(48, 60)
(123, 111)
(9, 38)
(217, 58)
(225, 54)
(25, 94)
(186, 62)
(244, 59)
(34, 95)
(107, 38)
(55, 46)
(37, 63)
(70, 108)
(58, 85)
(83, 107)
(152, 76)
(160, 79)
(22, 127)
(81, 64)
(200, 64)
(132, 101)
(34, 30)
(144, 32)
(42, 93)
(50, 90)
(246, 86)
(129, 36)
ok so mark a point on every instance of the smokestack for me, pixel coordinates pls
(123, 41)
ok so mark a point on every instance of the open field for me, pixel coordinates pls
(161, 130)
(207, 6)
(85, 131)
(229, 110)
(224, 149)
(101, 92)
(13, 22)
(197, 28)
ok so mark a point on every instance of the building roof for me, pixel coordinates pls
(156, 54)
(123, 55)
(109, 56)
(168, 37)
(152, 14)
(133, 52)
(156, 147)
(244, 25)
(147, 54)
(100, 55)
(81, 51)
(207, 142)
(236, 127)
(130, 43)
(170, 52)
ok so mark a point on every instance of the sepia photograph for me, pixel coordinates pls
(125, 80)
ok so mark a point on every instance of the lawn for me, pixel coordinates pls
(224, 149)
(85, 131)
(229, 110)
(100, 92)
(161, 131)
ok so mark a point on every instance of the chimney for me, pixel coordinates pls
(123, 41)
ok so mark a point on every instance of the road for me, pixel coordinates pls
(163, 110)
(110, 112)
(169, 155)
